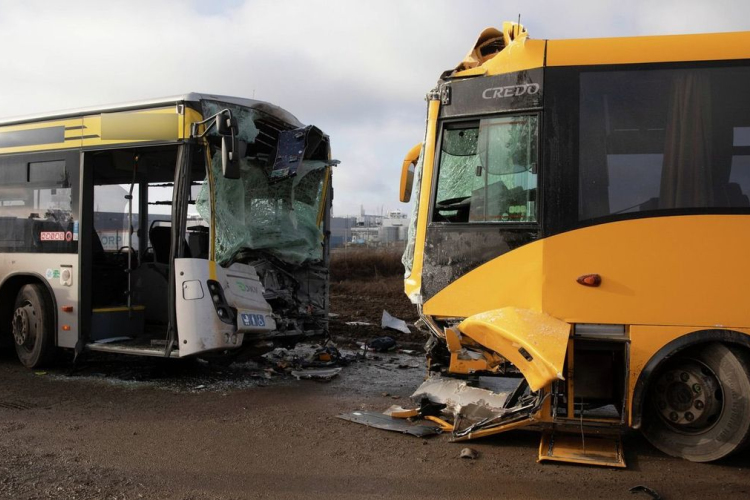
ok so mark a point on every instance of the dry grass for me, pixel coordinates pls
(364, 263)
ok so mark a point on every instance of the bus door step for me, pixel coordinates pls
(577, 448)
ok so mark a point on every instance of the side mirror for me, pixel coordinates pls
(407, 173)
(232, 150)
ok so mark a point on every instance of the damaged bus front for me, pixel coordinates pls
(578, 205)
(273, 213)
(171, 227)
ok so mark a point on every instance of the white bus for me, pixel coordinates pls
(169, 227)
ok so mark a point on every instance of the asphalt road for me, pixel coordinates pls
(123, 428)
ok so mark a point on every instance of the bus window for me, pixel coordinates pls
(36, 208)
(487, 171)
(663, 140)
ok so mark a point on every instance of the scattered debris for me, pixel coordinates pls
(382, 344)
(645, 489)
(199, 387)
(469, 453)
(358, 323)
(393, 323)
(385, 422)
(317, 374)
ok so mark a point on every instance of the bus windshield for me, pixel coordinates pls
(487, 171)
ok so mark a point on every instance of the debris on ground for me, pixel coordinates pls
(382, 344)
(393, 323)
(645, 489)
(357, 323)
(324, 374)
(388, 423)
(469, 453)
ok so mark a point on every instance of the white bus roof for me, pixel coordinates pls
(196, 97)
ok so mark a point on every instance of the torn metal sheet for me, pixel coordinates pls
(387, 423)
(457, 393)
(488, 404)
(318, 374)
(393, 323)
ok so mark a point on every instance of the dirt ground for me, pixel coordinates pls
(125, 428)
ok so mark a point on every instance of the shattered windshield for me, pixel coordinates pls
(281, 217)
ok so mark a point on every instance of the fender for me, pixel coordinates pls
(669, 350)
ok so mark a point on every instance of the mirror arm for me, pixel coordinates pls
(213, 119)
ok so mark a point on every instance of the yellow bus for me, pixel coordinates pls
(169, 227)
(581, 218)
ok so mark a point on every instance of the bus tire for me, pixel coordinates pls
(33, 326)
(698, 403)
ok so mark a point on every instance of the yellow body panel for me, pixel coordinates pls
(128, 127)
(682, 270)
(533, 341)
(649, 49)
(129, 123)
(413, 283)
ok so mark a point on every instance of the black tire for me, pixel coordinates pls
(698, 404)
(33, 326)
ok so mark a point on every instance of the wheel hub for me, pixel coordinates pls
(22, 327)
(689, 396)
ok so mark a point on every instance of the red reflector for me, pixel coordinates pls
(590, 280)
(66, 328)
(67, 309)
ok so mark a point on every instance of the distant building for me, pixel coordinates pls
(369, 229)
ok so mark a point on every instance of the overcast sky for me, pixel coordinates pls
(357, 69)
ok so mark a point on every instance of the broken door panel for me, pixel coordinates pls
(581, 449)
(534, 342)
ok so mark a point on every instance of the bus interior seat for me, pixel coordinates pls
(161, 239)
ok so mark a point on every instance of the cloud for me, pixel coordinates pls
(359, 70)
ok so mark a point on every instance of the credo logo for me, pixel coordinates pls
(511, 91)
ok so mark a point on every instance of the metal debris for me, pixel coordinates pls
(385, 422)
(469, 453)
(393, 323)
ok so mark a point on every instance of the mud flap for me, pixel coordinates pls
(577, 448)
(533, 341)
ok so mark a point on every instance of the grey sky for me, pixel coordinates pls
(357, 69)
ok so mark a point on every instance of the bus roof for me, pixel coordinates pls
(193, 97)
(511, 49)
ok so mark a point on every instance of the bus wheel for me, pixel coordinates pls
(699, 404)
(33, 326)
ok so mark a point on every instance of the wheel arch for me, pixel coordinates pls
(9, 289)
(730, 337)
